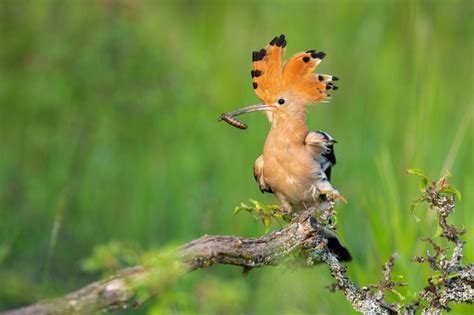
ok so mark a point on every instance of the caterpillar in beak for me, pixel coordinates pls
(231, 120)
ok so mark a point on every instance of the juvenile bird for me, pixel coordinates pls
(296, 163)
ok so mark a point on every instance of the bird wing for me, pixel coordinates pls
(321, 146)
(258, 174)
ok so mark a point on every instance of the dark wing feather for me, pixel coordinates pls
(331, 157)
(328, 173)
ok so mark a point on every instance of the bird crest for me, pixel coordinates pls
(271, 76)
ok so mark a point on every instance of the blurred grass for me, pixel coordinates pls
(108, 133)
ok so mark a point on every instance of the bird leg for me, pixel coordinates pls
(333, 195)
(285, 206)
(325, 188)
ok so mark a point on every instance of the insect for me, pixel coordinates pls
(231, 120)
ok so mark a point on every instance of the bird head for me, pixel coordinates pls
(286, 88)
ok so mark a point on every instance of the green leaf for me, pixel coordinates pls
(400, 296)
(434, 281)
(451, 189)
(437, 274)
(435, 278)
(423, 184)
(260, 206)
(266, 222)
(241, 207)
(263, 212)
(453, 275)
(416, 171)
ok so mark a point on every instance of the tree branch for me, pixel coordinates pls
(268, 250)
(120, 290)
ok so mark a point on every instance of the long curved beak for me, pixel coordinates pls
(248, 109)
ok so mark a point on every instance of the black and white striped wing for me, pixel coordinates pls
(322, 145)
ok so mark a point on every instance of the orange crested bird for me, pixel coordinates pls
(296, 163)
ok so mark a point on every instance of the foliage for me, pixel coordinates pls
(440, 186)
(264, 213)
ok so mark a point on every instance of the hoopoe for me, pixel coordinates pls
(296, 163)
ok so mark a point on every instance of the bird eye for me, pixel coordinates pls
(281, 101)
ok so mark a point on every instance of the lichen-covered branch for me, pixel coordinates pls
(361, 299)
(452, 281)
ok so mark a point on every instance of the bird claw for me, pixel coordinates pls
(333, 195)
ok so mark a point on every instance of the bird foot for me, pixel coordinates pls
(333, 195)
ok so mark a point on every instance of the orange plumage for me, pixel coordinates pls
(272, 78)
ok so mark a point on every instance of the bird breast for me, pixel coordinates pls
(289, 168)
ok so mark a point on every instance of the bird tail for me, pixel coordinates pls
(336, 245)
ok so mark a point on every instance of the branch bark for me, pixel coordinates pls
(120, 290)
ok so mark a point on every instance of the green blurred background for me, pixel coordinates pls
(108, 133)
